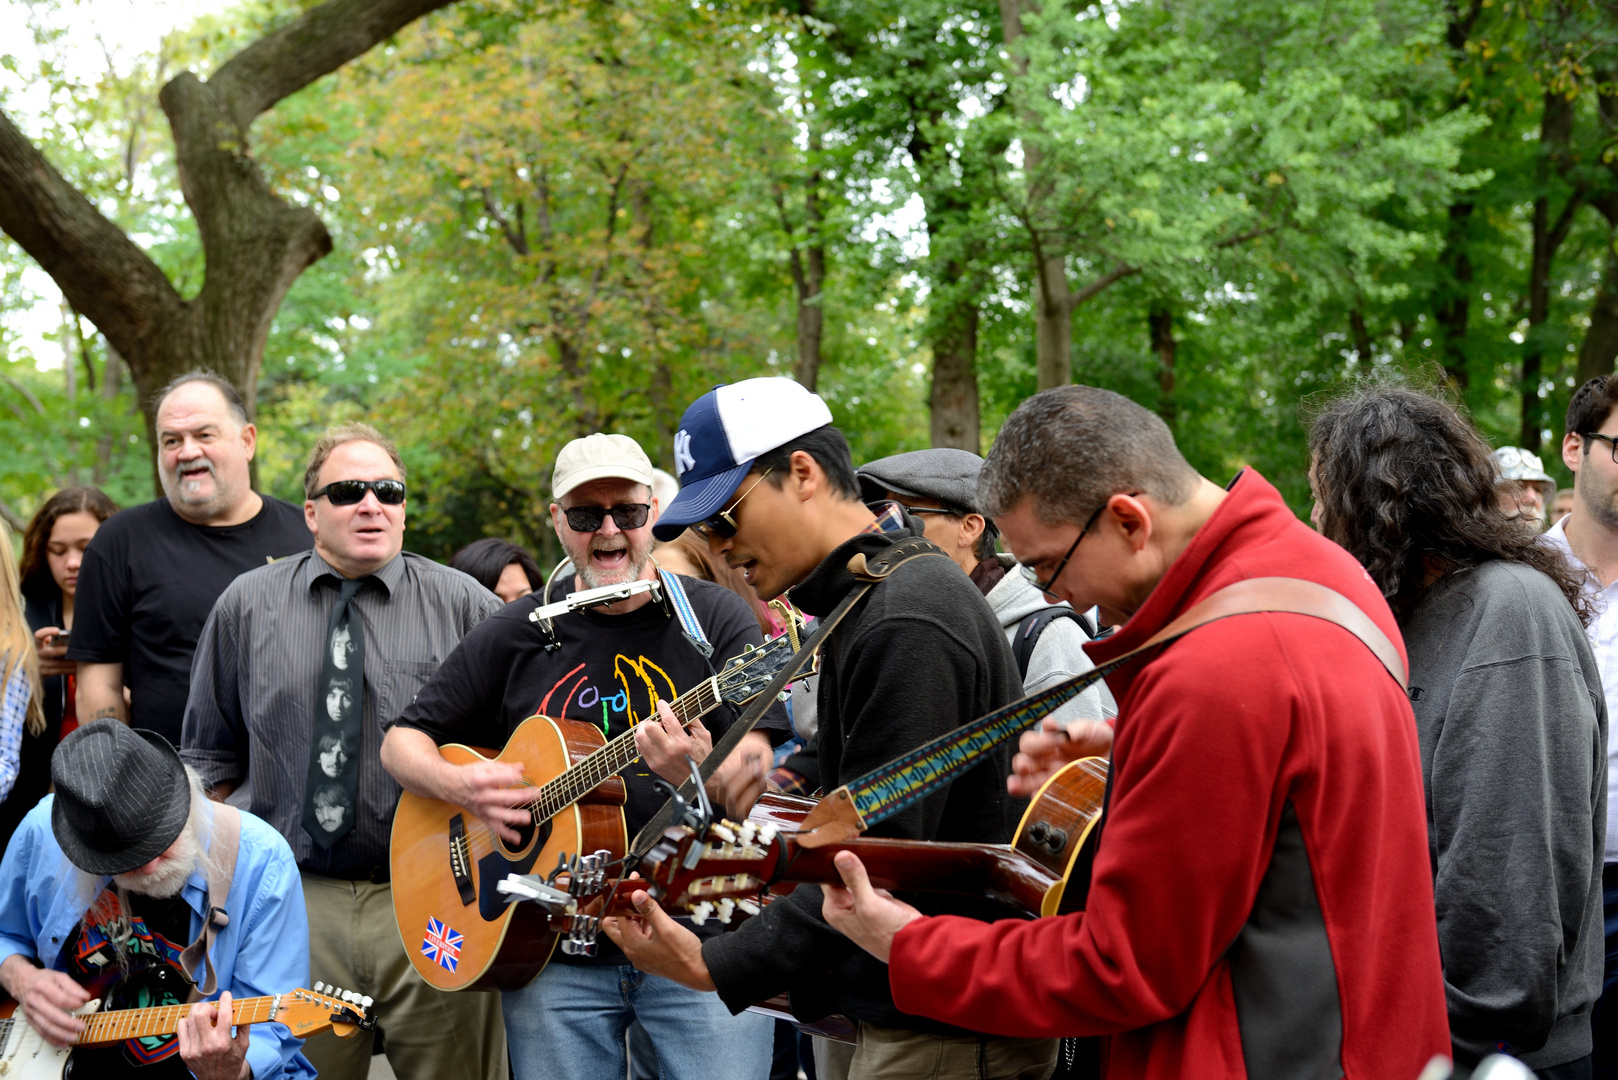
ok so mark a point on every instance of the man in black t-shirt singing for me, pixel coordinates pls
(610, 668)
(152, 574)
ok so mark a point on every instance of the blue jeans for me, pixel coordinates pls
(570, 1022)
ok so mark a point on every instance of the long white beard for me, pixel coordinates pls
(168, 879)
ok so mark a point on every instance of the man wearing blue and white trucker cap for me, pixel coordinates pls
(769, 483)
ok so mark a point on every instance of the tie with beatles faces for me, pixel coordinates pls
(334, 746)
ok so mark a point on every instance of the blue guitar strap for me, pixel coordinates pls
(689, 626)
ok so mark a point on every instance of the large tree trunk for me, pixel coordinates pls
(254, 243)
(954, 397)
(1160, 323)
(1555, 129)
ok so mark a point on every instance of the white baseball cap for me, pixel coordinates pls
(600, 457)
(721, 435)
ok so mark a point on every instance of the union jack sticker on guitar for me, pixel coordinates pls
(441, 945)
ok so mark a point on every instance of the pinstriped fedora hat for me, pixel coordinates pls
(122, 796)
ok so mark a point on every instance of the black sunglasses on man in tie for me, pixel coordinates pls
(349, 492)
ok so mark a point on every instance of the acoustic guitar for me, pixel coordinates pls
(459, 930)
(26, 1055)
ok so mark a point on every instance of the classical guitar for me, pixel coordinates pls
(459, 931)
(727, 869)
(25, 1055)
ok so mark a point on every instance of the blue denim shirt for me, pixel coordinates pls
(264, 949)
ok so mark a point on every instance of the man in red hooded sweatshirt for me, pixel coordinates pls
(1261, 905)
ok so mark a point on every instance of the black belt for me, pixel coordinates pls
(376, 875)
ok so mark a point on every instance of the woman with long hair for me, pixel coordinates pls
(21, 705)
(500, 566)
(53, 547)
(1510, 717)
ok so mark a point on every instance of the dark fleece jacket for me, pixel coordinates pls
(920, 655)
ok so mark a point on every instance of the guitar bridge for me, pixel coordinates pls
(460, 860)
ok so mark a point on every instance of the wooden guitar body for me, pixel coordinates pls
(457, 929)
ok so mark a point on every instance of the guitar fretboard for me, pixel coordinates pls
(121, 1024)
(575, 783)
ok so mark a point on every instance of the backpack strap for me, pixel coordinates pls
(1028, 631)
(223, 847)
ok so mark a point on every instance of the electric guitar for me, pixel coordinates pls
(25, 1055)
(459, 930)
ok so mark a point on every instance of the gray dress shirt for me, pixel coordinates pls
(250, 717)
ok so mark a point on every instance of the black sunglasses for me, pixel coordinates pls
(587, 519)
(349, 492)
(723, 524)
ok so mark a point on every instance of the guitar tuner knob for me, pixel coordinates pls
(727, 908)
(365, 1002)
(766, 833)
(701, 911)
(720, 830)
(320, 987)
(748, 907)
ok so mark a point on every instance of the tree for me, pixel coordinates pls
(254, 243)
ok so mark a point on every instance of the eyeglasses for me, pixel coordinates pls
(349, 492)
(1611, 441)
(626, 516)
(722, 524)
(931, 510)
(1045, 586)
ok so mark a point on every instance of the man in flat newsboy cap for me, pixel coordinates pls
(940, 487)
(107, 887)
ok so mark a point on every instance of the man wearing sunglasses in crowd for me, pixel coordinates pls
(610, 667)
(153, 572)
(769, 482)
(315, 650)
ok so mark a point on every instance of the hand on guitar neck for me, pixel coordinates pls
(1047, 750)
(870, 918)
(49, 999)
(741, 778)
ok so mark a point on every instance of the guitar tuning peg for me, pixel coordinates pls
(727, 908)
(748, 907)
(748, 830)
(766, 833)
(320, 987)
(365, 1002)
(723, 831)
(701, 911)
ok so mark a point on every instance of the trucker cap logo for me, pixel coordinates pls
(683, 461)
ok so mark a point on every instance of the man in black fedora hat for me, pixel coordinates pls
(127, 885)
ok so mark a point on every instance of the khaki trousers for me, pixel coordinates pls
(354, 943)
(895, 1054)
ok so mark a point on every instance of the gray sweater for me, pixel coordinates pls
(1513, 729)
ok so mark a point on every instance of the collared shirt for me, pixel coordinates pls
(264, 949)
(1603, 635)
(251, 714)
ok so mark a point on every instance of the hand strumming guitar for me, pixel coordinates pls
(487, 788)
(1045, 751)
(740, 779)
(47, 999)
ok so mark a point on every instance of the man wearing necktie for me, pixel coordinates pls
(299, 664)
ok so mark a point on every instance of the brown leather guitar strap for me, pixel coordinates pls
(861, 803)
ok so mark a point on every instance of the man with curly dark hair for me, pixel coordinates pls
(1510, 715)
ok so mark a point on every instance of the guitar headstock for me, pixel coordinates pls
(712, 875)
(305, 1012)
(745, 676)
